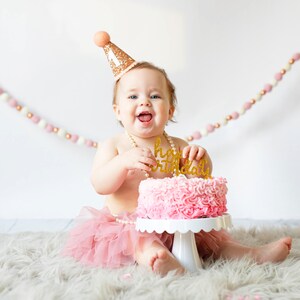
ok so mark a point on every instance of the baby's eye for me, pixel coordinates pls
(155, 97)
(132, 97)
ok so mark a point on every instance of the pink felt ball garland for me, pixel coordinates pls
(42, 123)
(247, 105)
(79, 140)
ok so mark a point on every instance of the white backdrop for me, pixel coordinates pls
(219, 54)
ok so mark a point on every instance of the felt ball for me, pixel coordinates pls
(12, 102)
(35, 119)
(242, 111)
(203, 132)
(278, 76)
(296, 56)
(224, 121)
(89, 143)
(210, 128)
(235, 115)
(247, 105)
(274, 82)
(258, 97)
(74, 138)
(61, 133)
(49, 128)
(4, 97)
(287, 67)
(80, 141)
(24, 111)
(42, 123)
(196, 135)
(101, 38)
(268, 87)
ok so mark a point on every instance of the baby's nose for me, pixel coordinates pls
(145, 102)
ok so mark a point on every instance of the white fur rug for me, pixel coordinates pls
(31, 268)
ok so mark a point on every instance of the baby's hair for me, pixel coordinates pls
(148, 65)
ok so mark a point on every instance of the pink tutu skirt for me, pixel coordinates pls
(102, 240)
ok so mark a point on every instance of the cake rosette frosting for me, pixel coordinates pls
(182, 198)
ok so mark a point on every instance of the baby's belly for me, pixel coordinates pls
(118, 205)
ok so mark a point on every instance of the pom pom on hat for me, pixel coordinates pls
(101, 38)
(119, 61)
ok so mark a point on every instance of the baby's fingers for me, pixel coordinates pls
(193, 152)
(200, 153)
(148, 161)
(142, 166)
(185, 151)
(148, 153)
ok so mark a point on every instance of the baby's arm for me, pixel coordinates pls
(107, 172)
(110, 168)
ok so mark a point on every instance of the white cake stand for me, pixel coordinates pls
(184, 245)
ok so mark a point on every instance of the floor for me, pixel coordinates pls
(55, 225)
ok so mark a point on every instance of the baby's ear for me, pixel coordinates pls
(171, 112)
(116, 111)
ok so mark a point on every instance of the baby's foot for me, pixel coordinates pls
(274, 252)
(164, 261)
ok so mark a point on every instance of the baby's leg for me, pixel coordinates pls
(273, 252)
(158, 258)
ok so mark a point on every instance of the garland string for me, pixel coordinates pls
(80, 140)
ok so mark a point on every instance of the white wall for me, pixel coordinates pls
(218, 53)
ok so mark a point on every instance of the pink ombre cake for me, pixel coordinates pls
(182, 198)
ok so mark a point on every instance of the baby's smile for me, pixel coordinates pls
(144, 116)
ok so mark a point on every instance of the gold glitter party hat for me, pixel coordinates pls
(119, 61)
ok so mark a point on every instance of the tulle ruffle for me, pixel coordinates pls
(99, 240)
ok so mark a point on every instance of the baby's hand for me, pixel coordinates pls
(139, 158)
(193, 152)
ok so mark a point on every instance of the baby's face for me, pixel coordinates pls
(143, 104)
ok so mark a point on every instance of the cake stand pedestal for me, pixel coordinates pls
(184, 245)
